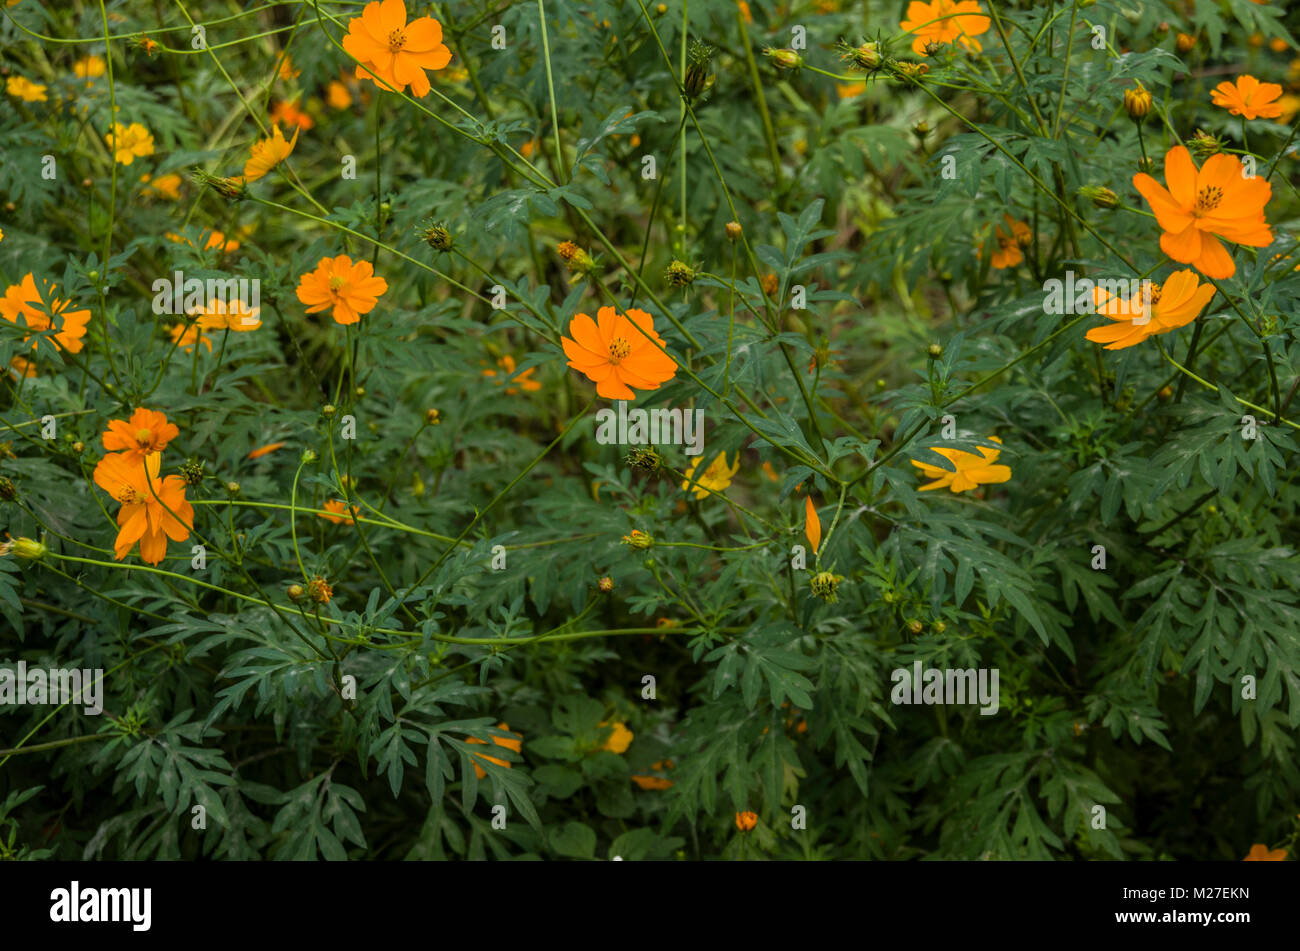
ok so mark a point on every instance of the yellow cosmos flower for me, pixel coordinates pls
(129, 142)
(716, 477)
(266, 154)
(619, 739)
(90, 67)
(25, 89)
(972, 470)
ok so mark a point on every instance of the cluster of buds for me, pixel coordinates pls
(432, 417)
(910, 72)
(575, 258)
(437, 237)
(638, 540)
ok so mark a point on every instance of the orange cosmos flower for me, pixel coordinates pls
(290, 114)
(169, 186)
(1174, 304)
(525, 379)
(146, 432)
(745, 821)
(351, 289)
(338, 508)
(972, 470)
(618, 352)
(1009, 253)
(1199, 204)
(1261, 853)
(944, 22)
(510, 744)
(261, 451)
(337, 95)
(1248, 97)
(144, 515)
(266, 154)
(18, 302)
(654, 781)
(393, 53)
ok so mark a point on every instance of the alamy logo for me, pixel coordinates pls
(103, 904)
(946, 686)
(658, 427)
(1076, 296)
(56, 685)
(181, 295)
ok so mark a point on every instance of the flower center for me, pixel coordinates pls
(336, 282)
(126, 495)
(1208, 198)
(143, 436)
(396, 40)
(618, 349)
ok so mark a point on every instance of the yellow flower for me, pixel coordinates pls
(620, 737)
(1262, 853)
(129, 142)
(972, 470)
(849, 90)
(266, 154)
(169, 186)
(716, 477)
(89, 68)
(25, 89)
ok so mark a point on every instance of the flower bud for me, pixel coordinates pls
(1137, 103)
(1185, 42)
(644, 457)
(605, 584)
(934, 351)
(699, 71)
(432, 417)
(437, 237)
(8, 491)
(192, 472)
(29, 549)
(295, 592)
(328, 410)
(783, 59)
(577, 260)
(232, 488)
(1100, 196)
(734, 231)
(638, 540)
(745, 821)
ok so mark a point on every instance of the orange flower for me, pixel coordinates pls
(1199, 204)
(18, 302)
(337, 95)
(188, 335)
(392, 53)
(350, 289)
(619, 739)
(266, 154)
(338, 508)
(290, 114)
(144, 515)
(507, 364)
(147, 432)
(1261, 853)
(972, 470)
(169, 186)
(1010, 242)
(746, 821)
(944, 21)
(1174, 304)
(1248, 97)
(266, 450)
(616, 352)
(653, 781)
(509, 744)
